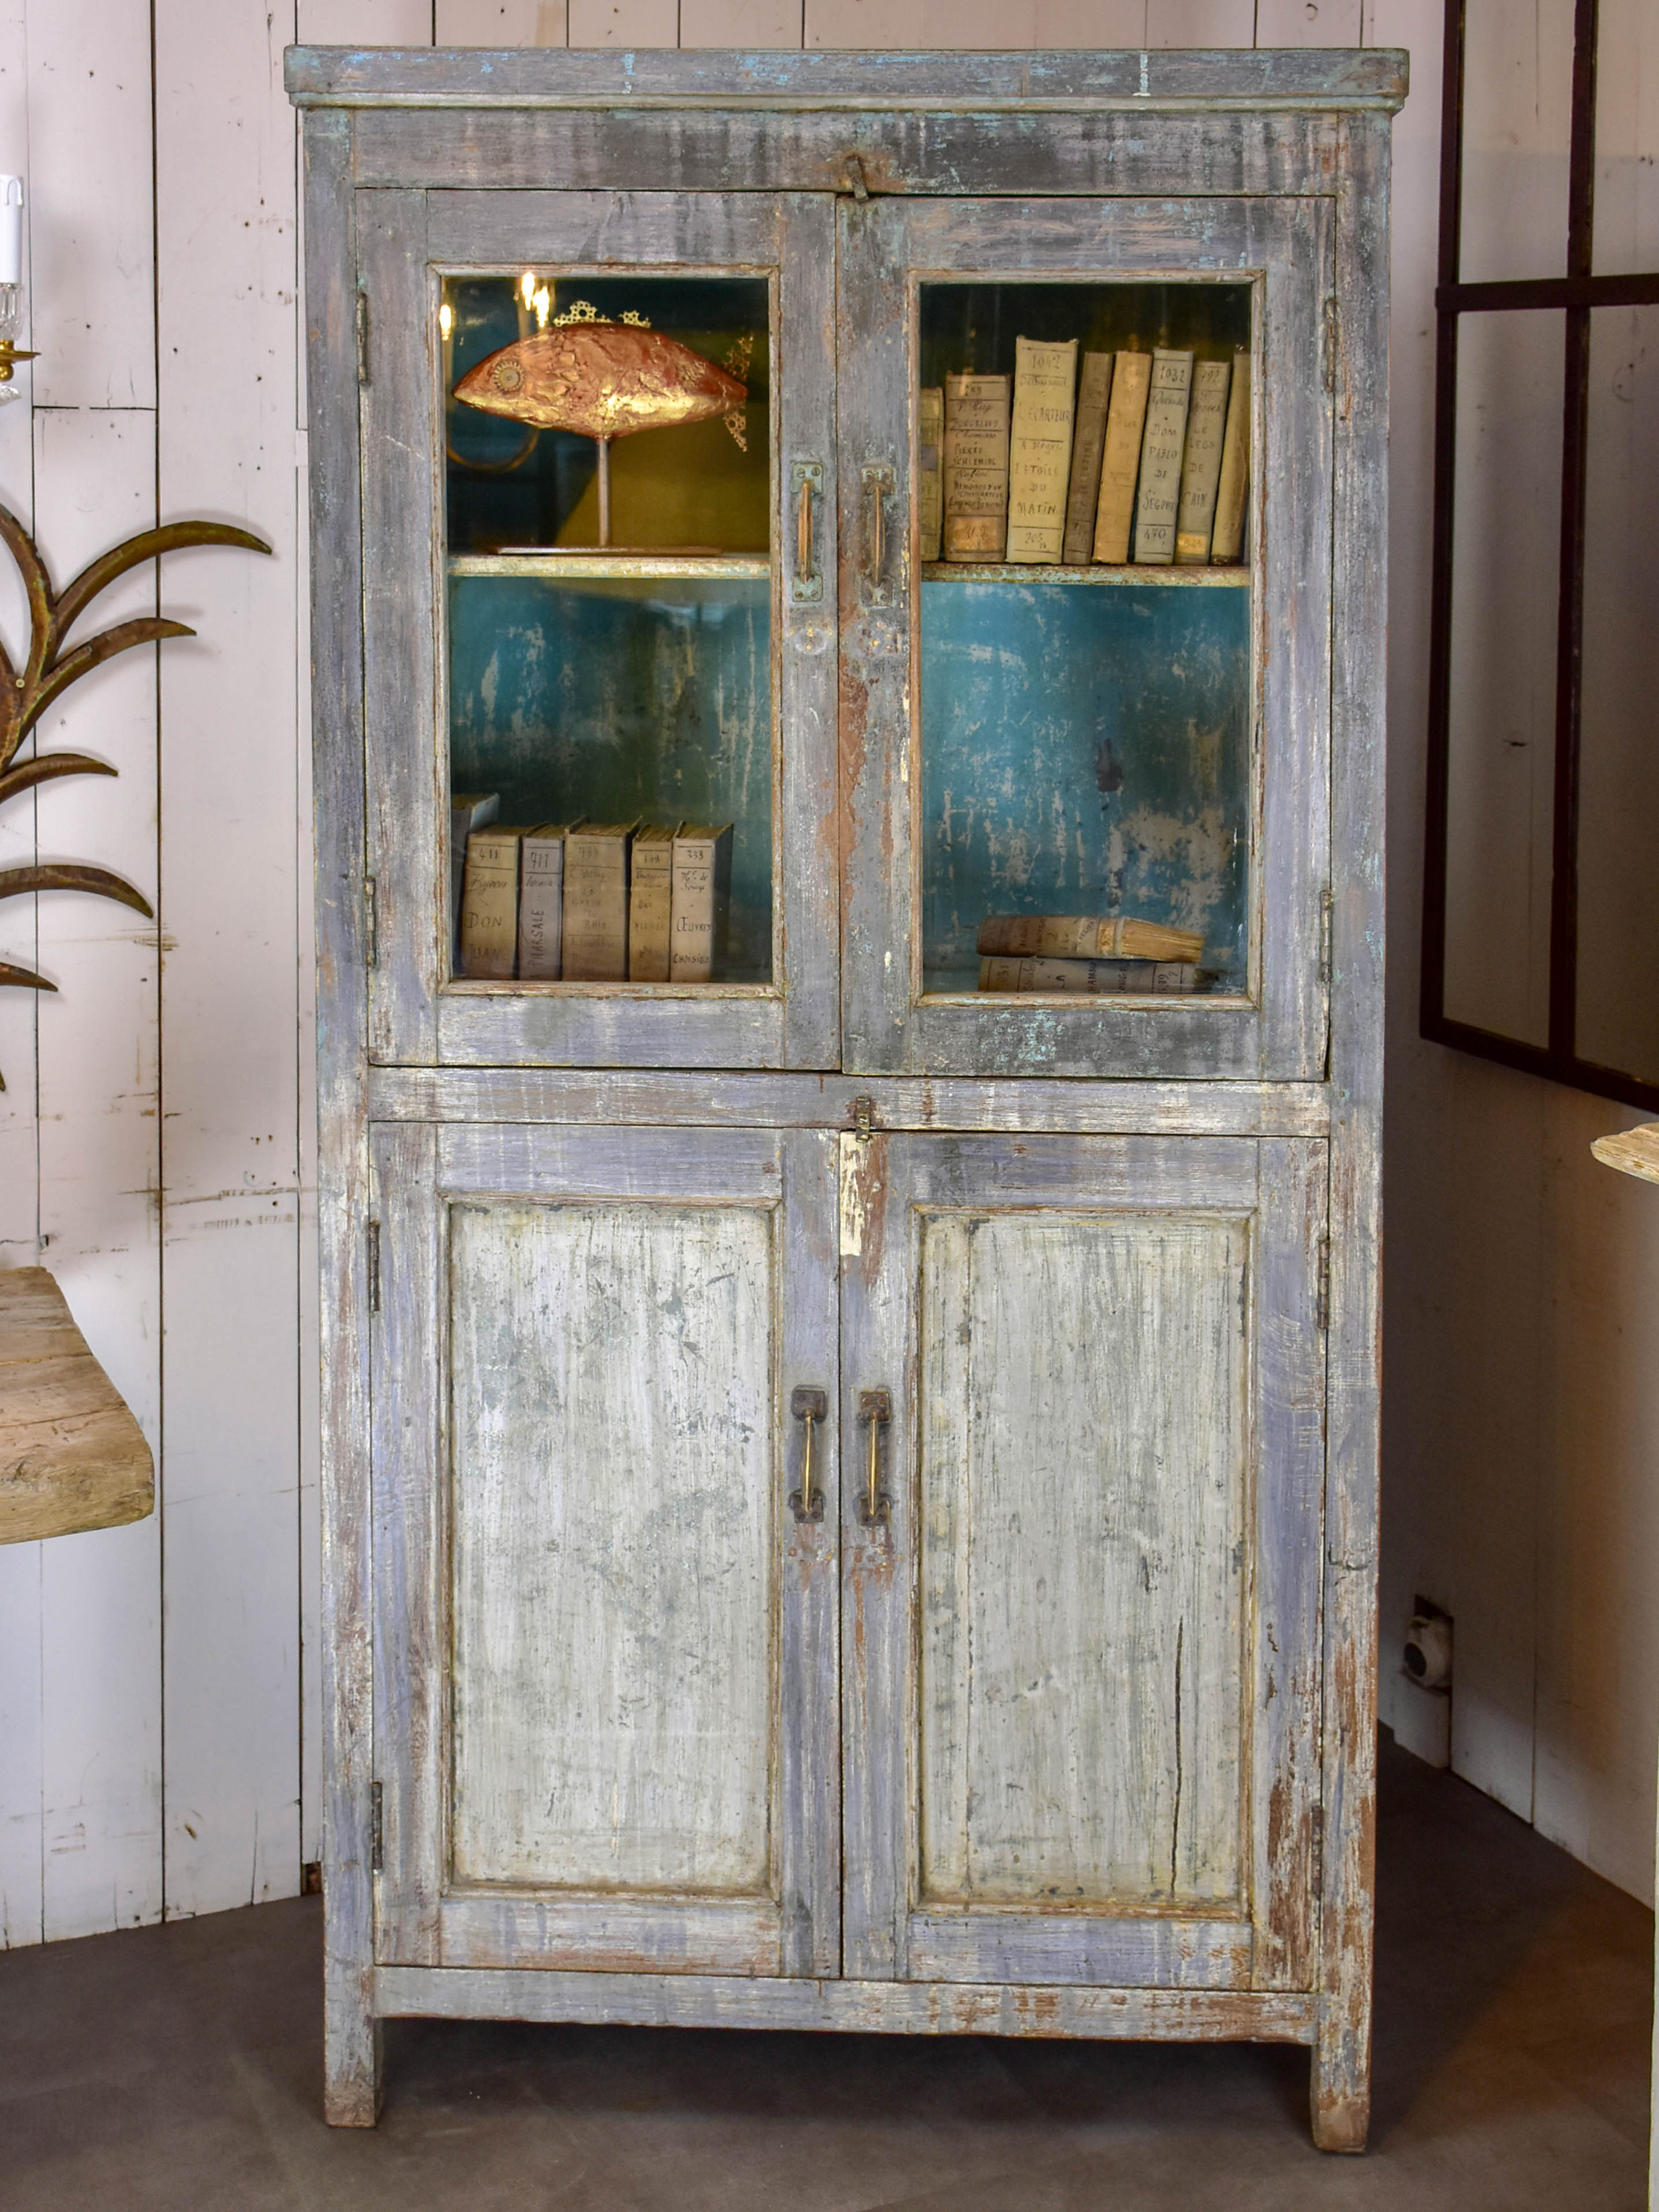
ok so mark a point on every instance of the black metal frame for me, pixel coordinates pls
(1576, 295)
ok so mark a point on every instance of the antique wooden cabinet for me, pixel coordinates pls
(850, 1495)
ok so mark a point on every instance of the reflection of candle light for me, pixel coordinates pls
(446, 318)
(543, 303)
(527, 286)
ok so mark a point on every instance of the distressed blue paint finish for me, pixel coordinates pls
(617, 699)
(1086, 749)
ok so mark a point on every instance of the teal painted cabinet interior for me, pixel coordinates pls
(849, 1471)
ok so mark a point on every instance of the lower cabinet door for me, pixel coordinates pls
(605, 1662)
(1083, 1450)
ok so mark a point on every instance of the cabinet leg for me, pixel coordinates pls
(1342, 2087)
(351, 2051)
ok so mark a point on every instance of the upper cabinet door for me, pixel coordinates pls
(599, 590)
(1065, 706)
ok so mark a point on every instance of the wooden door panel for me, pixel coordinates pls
(611, 1545)
(1083, 1438)
(606, 1728)
(1081, 1705)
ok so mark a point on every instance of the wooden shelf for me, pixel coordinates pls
(590, 562)
(1022, 572)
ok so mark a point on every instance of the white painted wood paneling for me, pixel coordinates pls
(364, 22)
(1307, 22)
(613, 1593)
(226, 283)
(499, 22)
(770, 23)
(624, 22)
(1083, 1558)
(100, 1176)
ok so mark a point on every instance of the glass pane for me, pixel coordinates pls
(607, 482)
(1618, 770)
(1086, 701)
(1505, 546)
(1517, 127)
(1627, 138)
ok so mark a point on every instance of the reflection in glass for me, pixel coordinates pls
(1626, 240)
(1505, 571)
(1619, 729)
(1517, 127)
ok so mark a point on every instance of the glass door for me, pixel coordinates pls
(600, 600)
(1085, 478)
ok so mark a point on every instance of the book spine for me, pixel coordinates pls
(649, 912)
(541, 909)
(1088, 978)
(976, 467)
(1121, 457)
(1161, 446)
(1040, 448)
(596, 909)
(1233, 485)
(701, 874)
(930, 482)
(1086, 936)
(1200, 469)
(1088, 446)
(489, 903)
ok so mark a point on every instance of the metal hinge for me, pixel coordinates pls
(377, 1830)
(1325, 904)
(371, 922)
(362, 338)
(864, 1119)
(374, 1266)
(854, 181)
(1332, 338)
(1324, 1283)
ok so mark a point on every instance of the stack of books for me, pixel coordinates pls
(593, 902)
(1140, 457)
(1092, 954)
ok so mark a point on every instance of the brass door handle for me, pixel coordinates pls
(806, 487)
(809, 1408)
(875, 1412)
(877, 477)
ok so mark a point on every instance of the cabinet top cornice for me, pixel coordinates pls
(1167, 81)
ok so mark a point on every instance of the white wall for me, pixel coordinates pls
(157, 1736)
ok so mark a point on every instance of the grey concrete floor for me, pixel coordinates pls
(178, 2067)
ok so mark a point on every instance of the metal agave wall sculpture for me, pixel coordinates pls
(47, 673)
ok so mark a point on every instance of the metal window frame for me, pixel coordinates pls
(1575, 295)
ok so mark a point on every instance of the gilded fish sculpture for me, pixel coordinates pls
(602, 380)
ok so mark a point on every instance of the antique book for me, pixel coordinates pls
(1087, 937)
(1002, 972)
(1120, 465)
(1040, 448)
(596, 902)
(541, 901)
(1088, 444)
(1161, 446)
(489, 903)
(976, 467)
(701, 892)
(468, 811)
(649, 905)
(930, 484)
(1233, 487)
(1201, 466)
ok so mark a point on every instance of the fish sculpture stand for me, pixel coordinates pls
(602, 380)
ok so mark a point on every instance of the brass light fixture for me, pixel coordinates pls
(11, 285)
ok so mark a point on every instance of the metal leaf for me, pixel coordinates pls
(143, 629)
(46, 766)
(69, 875)
(26, 979)
(148, 545)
